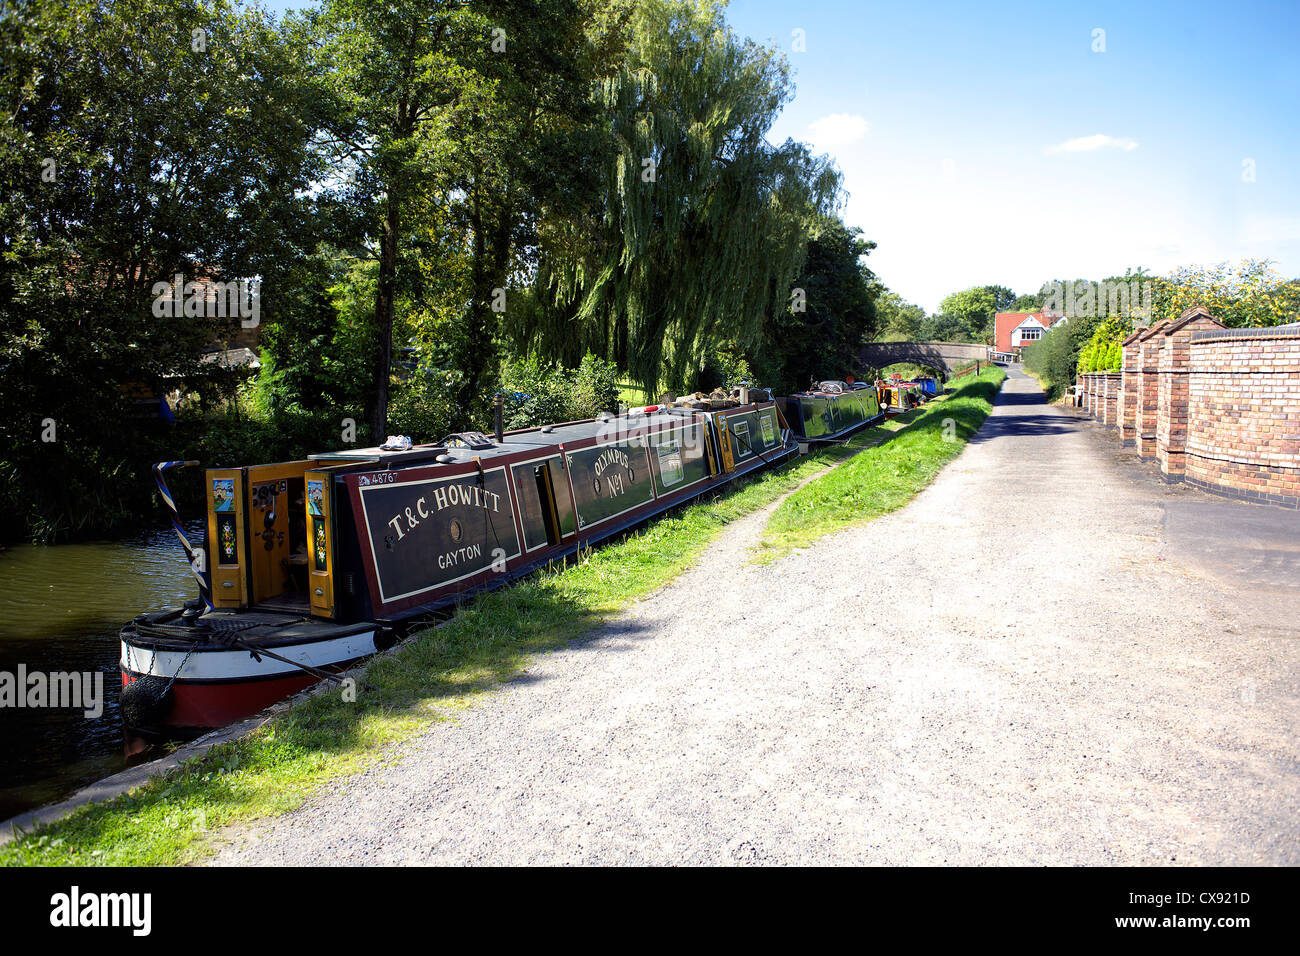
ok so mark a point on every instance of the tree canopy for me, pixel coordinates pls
(139, 141)
(439, 200)
(835, 312)
(702, 226)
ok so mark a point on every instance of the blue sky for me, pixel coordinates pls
(989, 143)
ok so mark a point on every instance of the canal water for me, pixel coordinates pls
(60, 610)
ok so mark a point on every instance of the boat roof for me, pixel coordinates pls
(450, 452)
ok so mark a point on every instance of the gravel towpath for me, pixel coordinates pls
(1017, 668)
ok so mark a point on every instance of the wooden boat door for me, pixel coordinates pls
(545, 502)
(320, 541)
(227, 547)
(278, 547)
(723, 437)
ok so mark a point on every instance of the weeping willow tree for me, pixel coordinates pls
(702, 225)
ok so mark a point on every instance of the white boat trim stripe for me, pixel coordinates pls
(235, 664)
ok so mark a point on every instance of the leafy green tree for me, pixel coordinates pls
(946, 328)
(898, 320)
(539, 394)
(1103, 351)
(528, 146)
(1003, 298)
(704, 225)
(466, 124)
(399, 70)
(821, 340)
(139, 139)
(316, 351)
(1248, 294)
(974, 309)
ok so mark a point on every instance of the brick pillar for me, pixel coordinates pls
(1130, 389)
(1103, 396)
(1110, 399)
(1094, 394)
(1150, 344)
(1172, 392)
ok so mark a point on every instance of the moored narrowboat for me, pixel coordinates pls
(311, 566)
(831, 410)
(897, 397)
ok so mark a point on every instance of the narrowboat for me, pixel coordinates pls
(309, 567)
(831, 410)
(897, 397)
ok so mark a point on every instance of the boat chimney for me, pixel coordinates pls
(499, 407)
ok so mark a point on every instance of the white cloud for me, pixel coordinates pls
(1088, 144)
(837, 129)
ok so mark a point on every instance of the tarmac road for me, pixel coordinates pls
(1046, 658)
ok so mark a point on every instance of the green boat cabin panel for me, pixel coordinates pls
(610, 480)
(753, 434)
(679, 457)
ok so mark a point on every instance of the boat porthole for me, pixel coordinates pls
(455, 529)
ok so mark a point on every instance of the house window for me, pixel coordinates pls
(1028, 335)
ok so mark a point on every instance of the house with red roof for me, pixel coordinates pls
(1012, 330)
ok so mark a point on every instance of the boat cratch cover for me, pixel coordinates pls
(427, 530)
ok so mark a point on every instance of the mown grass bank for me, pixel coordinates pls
(885, 477)
(424, 680)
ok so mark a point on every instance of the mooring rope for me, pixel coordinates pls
(205, 591)
(258, 653)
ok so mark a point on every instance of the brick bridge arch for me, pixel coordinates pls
(944, 356)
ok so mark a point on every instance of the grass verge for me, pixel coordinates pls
(630, 394)
(885, 477)
(1053, 390)
(425, 679)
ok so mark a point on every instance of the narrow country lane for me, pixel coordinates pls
(1029, 664)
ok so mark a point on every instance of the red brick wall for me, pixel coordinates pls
(1130, 392)
(1172, 390)
(1109, 410)
(1151, 343)
(1218, 408)
(1243, 423)
(1101, 395)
